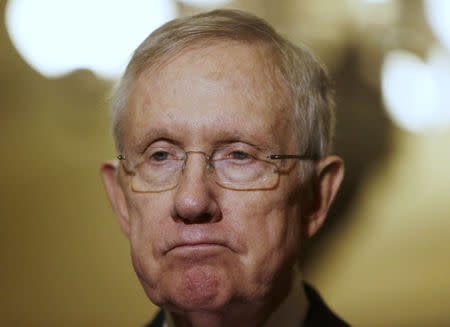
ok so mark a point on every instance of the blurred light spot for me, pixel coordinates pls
(204, 3)
(56, 37)
(438, 16)
(376, 1)
(415, 92)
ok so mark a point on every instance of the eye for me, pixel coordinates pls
(159, 156)
(240, 155)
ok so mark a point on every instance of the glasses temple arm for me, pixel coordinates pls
(290, 156)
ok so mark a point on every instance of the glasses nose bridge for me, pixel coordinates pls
(207, 157)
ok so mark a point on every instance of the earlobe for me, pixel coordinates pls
(329, 175)
(115, 194)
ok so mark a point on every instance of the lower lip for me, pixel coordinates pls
(197, 250)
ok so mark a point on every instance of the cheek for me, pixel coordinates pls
(147, 216)
(148, 213)
(268, 223)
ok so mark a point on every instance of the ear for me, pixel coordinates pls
(329, 174)
(109, 173)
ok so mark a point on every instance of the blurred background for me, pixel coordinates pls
(383, 257)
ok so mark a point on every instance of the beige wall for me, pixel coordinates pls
(383, 259)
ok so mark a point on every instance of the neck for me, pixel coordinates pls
(245, 315)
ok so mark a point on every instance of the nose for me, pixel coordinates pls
(195, 201)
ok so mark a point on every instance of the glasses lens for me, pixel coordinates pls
(157, 176)
(245, 174)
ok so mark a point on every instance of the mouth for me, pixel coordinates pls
(199, 248)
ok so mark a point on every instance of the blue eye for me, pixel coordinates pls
(159, 156)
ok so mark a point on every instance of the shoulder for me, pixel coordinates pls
(319, 314)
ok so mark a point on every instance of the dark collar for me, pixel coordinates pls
(319, 314)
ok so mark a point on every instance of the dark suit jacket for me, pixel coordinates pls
(319, 315)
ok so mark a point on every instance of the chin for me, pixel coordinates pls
(192, 289)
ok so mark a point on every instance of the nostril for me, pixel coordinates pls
(200, 219)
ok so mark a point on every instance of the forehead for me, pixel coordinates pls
(222, 90)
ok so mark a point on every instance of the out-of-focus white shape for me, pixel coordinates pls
(439, 67)
(376, 1)
(437, 13)
(408, 90)
(415, 92)
(56, 37)
(205, 3)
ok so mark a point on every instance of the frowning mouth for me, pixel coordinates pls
(189, 249)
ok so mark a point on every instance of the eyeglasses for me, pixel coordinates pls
(232, 167)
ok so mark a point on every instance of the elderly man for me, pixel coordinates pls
(223, 129)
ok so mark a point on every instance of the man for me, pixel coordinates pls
(223, 129)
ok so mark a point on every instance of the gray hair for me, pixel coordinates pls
(306, 78)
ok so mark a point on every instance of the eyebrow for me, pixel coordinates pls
(143, 142)
(221, 137)
(228, 136)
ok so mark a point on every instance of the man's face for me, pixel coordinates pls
(199, 245)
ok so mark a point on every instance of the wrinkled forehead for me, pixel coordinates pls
(222, 82)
